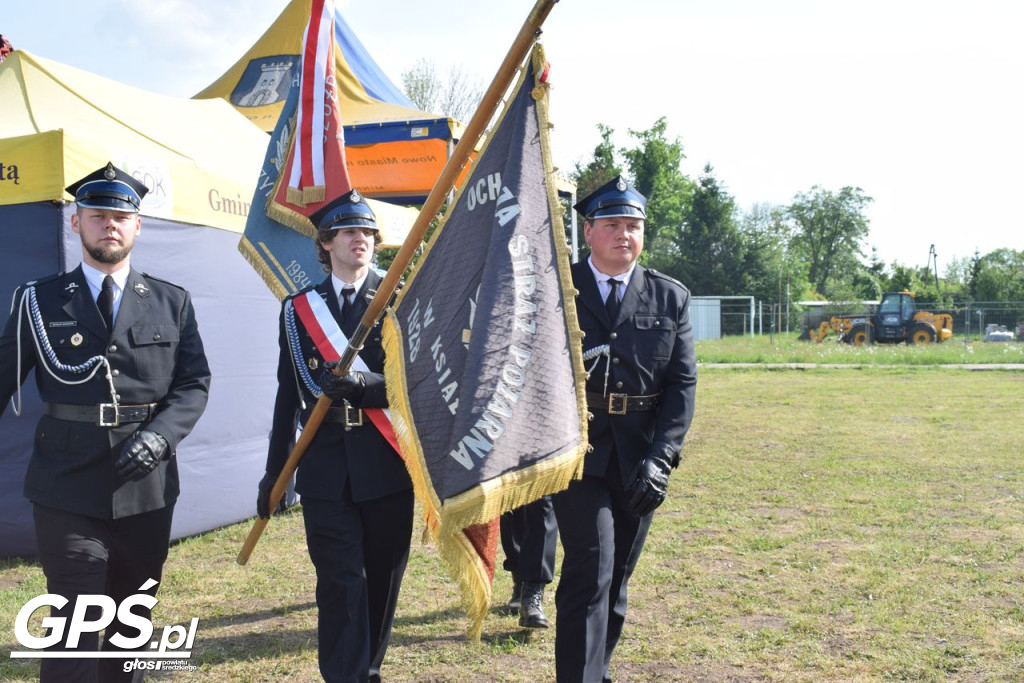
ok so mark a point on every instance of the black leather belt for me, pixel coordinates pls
(620, 404)
(103, 415)
(346, 415)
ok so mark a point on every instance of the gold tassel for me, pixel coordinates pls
(292, 219)
(313, 194)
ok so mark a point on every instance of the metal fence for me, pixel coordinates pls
(714, 317)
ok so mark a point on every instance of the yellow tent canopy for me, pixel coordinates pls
(60, 123)
(393, 150)
(200, 158)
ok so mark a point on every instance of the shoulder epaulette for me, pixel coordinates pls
(161, 280)
(662, 276)
(42, 280)
(19, 291)
(302, 291)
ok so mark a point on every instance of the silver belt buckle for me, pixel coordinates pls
(619, 400)
(116, 422)
(349, 412)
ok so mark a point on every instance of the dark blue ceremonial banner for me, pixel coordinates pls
(485, 376)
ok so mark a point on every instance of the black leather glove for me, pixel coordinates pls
(349, 387)
(141, 454)
(263, 495)
(648, 490)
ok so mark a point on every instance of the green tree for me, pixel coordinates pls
(904, 277)
(601, 168)
(973, 273)
(927, 286)
(710, 254)
(829, 229)
(655, 165)
(1000, 276)
(770, 271)
(955, 278)
(654, 170)
(876, 274)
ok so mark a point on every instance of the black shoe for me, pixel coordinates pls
(531, 609)
(513, 602)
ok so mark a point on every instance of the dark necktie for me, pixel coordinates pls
(611, 304)
(346, 306)
(106, 301)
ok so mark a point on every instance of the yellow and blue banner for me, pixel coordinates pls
(303, 169)
(394, 150)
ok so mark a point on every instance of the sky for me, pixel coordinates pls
(917, 102)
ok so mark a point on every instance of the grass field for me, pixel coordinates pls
(827, 524)
(785, 348)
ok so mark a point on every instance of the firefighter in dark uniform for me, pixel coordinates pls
(642, 378)
(120, 366)
(357, 499)
(529, 538)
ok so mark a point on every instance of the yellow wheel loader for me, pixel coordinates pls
(897, 320)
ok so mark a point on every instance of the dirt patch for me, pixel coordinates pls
(710, 672)
(9, 582)
(758, 622)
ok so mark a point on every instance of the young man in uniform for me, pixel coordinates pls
(121, 369)
(357, 499)
(640, 389)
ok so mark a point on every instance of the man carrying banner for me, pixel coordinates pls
(357, 498)
(638, 346)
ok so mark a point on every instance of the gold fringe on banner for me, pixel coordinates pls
(301, 196)
(314, 194)
(457, 552)
(290, 218)
(562, 249)
(256, 259)
(283, 214)
(487, 501)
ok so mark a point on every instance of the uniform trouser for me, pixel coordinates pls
(87, 556)
(529, 537)
(359, 551)
(601, 541)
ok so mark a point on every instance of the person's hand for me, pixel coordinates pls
(141, 453)
(263, 495)
(648, 490)
(349, 387)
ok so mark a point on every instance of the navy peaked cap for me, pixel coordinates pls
(615, 198)
(350, 210)
(109, 188)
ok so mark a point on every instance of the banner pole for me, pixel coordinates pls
(277, 493)
(447, 179)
